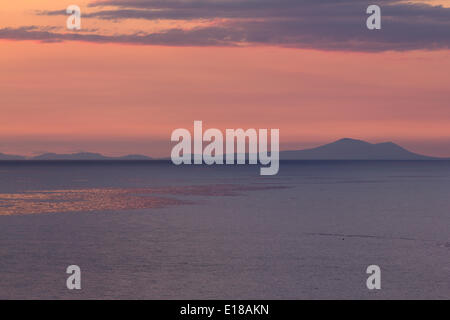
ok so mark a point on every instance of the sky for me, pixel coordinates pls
(139, 69)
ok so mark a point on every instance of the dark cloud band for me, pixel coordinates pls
(317, 24)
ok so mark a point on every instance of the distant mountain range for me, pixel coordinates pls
(343, 149)
(352, 149)
(11, 157)
(74, 156)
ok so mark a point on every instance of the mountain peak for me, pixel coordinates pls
(350, 141)
(354, 149)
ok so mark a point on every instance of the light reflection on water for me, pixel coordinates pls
(95, 199)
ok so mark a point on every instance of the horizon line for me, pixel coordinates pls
(167, 157)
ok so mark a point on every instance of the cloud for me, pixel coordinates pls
(174, 37)
(316, 24)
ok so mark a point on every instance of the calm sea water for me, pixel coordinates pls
(151, 230)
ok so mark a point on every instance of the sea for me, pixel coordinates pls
(153, 230)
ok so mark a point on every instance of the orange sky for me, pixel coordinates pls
(118, 99)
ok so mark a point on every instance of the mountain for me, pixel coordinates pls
(132, 157)
(10, 157)
(86, 156)
(352, 149)
(343, 149)
(74, 156)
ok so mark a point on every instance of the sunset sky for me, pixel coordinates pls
(138, 69)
